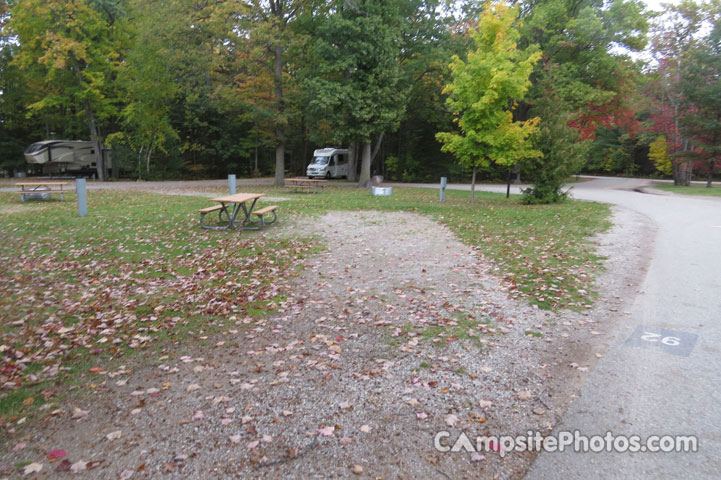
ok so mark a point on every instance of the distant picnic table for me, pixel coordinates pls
(232, 205)
(36, 188)
(305, 184)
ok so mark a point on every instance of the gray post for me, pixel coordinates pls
(82, 197)
(231, 183)
(444, 181)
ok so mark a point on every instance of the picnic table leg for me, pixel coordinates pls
(220, 218)
(248, 212)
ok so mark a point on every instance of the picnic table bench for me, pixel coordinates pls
(37, 188)
(230, 206)
(305, 184)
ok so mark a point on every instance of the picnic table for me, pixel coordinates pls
(306, 184)
(36, 188)
(232, 205)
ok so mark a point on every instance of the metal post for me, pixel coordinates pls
(444, 181)
(82, 197)
(508, 185)
(231, 183)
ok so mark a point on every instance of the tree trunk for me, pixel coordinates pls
(95, 141)
(147, 157)
(377, 148)
(254, 168)
(365, 174)
(473, 186)
(279, 133)
(140, 162)
(279, 164)
(352, 161)
(709, 179)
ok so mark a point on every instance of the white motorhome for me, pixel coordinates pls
(329, 162)
(73, 157)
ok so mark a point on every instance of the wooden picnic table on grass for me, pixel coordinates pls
(40, 187)
(305, 184)
(231, 205)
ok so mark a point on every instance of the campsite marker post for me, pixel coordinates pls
(231, 183)
(444, 181)
(82, 197)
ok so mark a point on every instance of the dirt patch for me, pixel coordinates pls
(395, 332)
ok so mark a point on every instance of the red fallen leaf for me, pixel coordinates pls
(64, 466)
(339, 338)
(95, 351)
(56, 455)
(449, 339)
(432, 384)
(96, 369)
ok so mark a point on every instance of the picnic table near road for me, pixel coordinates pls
(305, 184)
(36, 188)
(232, 205)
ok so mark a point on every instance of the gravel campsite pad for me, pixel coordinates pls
(393, 332)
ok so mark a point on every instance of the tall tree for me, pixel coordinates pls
(701, 87)
(676, 36)
(266, 31)
(355, 94)
(584, 81)
(484, 91)
(147, 78)
(73, 48)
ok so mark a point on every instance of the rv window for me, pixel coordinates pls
(332, 162)
(342, 159)
(321, 160)
(34, 148)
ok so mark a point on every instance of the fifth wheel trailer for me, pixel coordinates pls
(65, 157)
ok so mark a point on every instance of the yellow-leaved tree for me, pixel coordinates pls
(484, 91)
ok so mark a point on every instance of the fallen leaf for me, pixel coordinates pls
(357, 469)
(32, 468)
(365, 428)
(235, 439)
(126, 474)
(114, 435)
(79, 413)
(326, 431)
(253, 444)
(56, 454)
(199, 415)
(451, 420)
(64, 466)
(485, 403)
(524, 395)
(79, 466)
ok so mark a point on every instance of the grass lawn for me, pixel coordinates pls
(714, 191)
(137, 275)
